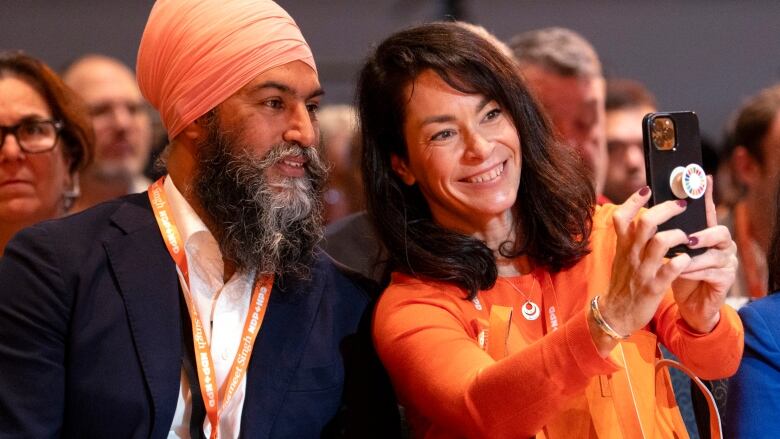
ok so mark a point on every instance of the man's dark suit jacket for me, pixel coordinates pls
(91, 339)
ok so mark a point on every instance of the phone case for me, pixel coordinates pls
(659, 166)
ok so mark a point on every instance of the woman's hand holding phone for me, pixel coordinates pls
(641, 272)
(700, 290)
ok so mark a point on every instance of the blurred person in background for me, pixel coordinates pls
(349, 238)
(123, 130)
(727, 190)
(754, 144)
(564, 72)
(343, 191)
(45, 138)
(627, 103)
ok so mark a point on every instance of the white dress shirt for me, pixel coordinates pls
(222, 308)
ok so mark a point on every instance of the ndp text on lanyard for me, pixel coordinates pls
(254, 319)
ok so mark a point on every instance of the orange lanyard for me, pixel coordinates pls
(254, 319)
(549, 303)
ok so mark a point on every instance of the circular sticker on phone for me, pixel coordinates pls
(694, 181)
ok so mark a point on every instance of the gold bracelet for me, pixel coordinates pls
(603, 325)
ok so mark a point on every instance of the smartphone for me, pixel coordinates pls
(674, 171)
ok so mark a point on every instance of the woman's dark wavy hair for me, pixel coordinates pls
(555, 200)
(77, 135)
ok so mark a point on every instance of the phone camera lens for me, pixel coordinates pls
(663, 133)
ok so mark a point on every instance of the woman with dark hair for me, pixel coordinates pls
(754, 392)
(45, 138)
(505, 315)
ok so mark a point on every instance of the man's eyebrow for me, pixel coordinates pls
(316, 93)
(284, 88)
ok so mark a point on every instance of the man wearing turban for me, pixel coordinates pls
(202, 308)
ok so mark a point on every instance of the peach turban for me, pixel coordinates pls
(194, 54)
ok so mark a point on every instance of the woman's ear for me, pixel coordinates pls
(402, 170)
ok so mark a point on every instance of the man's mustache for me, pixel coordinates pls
(283, 151)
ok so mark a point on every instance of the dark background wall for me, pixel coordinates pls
(703, 55)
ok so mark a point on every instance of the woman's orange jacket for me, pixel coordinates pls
(433, 343)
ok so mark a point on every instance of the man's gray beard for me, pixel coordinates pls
(269, 224)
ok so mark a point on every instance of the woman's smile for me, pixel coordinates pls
(488, 176)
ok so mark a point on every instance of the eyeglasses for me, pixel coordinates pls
(33, 136)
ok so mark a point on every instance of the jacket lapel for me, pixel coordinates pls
(147, 280)
(278, 350)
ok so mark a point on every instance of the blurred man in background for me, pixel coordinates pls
(340, 147)
(123, 131)
(564, 72)
(627, 103)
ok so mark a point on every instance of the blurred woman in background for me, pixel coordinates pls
(45, 138)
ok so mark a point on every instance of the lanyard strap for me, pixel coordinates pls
(549, 301)
(254, 319)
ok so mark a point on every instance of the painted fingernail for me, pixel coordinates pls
(644, 191)
(682, 203)
(692, 240)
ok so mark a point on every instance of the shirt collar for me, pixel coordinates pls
(201, 246)
(186, 219)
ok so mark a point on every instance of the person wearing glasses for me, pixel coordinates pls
(45, 138)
